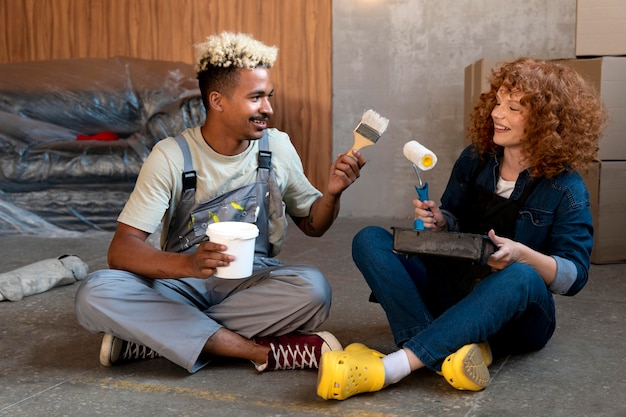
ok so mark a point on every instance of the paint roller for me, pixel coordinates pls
(422, 159)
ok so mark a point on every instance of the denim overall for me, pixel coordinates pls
(249, 203)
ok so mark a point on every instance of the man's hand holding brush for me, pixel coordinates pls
(344, 171)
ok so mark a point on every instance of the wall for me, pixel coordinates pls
(167, 29)
(406, 59)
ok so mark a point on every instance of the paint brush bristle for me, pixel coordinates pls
(372, 125)
(370, 128)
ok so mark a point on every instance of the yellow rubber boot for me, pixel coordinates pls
(466, 369)
(355, 370)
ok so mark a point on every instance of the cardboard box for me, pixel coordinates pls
(608, 76)
(476, 76)
(600, 27)
(606, 181)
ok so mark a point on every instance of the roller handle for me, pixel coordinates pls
(422, 193)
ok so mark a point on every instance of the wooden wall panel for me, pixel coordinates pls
(166, 30)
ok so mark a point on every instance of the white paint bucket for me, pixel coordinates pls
(239, 238)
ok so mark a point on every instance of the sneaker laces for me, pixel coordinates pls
(294, 356)
(137, 351)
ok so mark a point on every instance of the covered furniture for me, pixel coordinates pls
(58, 164)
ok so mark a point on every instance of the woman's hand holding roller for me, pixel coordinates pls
(429, 213)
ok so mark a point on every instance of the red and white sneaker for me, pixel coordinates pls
(296, 350)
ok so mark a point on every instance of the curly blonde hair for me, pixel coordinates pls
(237, 50)
(564, 115)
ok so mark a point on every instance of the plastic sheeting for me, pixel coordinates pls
(46, 174)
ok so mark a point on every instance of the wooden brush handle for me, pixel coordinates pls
(360, 141)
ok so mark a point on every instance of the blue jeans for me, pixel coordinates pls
(512, 308)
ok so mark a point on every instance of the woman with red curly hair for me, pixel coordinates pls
(538, 125)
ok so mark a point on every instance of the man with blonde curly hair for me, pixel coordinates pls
(169, 302)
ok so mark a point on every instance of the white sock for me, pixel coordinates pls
(396, 366)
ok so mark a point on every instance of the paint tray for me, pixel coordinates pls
(468, 246)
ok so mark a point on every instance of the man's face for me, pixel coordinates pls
(248, 108)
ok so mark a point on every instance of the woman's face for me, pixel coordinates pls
(508, 119)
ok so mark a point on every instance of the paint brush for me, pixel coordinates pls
(370, 128)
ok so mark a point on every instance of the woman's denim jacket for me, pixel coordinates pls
(555, 219)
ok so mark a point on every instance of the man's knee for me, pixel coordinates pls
(97, 289)
(105, 281)
(317, 287)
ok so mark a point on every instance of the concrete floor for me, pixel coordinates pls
(49, 364)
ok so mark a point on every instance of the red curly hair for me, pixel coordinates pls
(564, 115)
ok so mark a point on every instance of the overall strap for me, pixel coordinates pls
(527, 191)
(189, 174)
(265, 162)
(265, 156)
